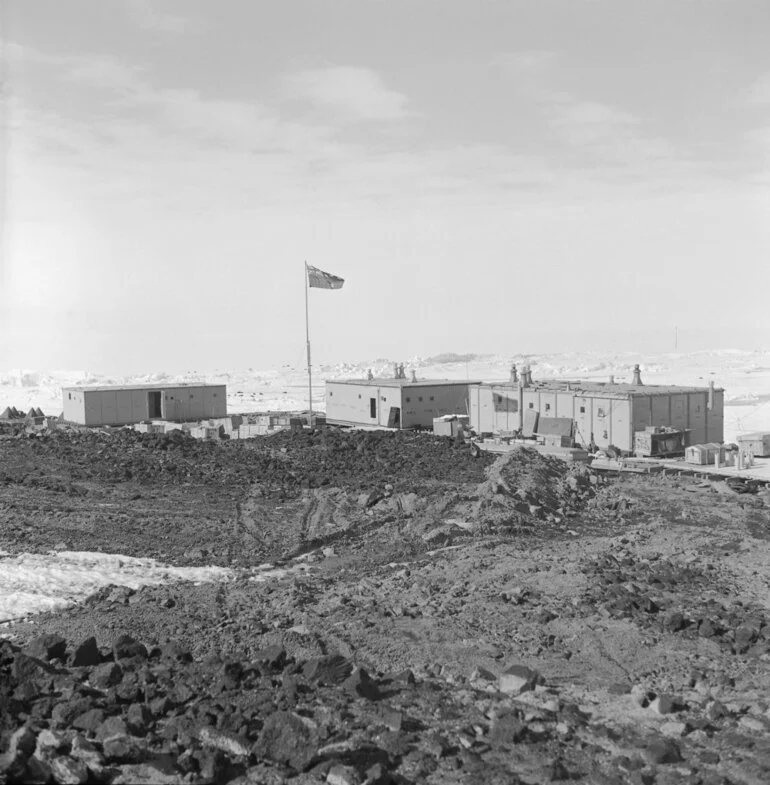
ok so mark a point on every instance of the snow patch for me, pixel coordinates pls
(33, 583)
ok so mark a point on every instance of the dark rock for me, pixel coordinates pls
(107, 675)
(229, 743)
(65, 712)
(674, 621)
(273, 657)
(173, 651)
(706, 629)
(30, 668)
(558, 771)
(329, 670)
(68, 770)
(662, 751)
(138, 718)
(289, 739)
(126, 647)
(86, 654)
(89, 720)
(47, 647)
(112, 726)
(506, 729)
(125, 749)
(360, 684)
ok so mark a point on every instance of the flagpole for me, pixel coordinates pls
(309, 367)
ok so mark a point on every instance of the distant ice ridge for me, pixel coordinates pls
(744, 374)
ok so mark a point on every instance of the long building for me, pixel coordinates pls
(602, 413)
(394, 402)
(129, 404)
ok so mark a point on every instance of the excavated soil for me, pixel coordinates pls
(438, 618)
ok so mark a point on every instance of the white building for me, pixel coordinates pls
(394, 403)
(139, 402)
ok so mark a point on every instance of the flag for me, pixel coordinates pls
(321, 280)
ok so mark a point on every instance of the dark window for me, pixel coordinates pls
(192, 395)
(432, 398)
(420, 398)
(382, 398)
(531, 405)
(330, 393)
(600, 412)
(408, 399)
(359, 396)
(70, 395)
(582, 409)
(548, 407)
(372, 407)
(499, 398)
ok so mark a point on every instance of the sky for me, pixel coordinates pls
(486, 175)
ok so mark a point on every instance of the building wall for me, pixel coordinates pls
(126, 406)
(687, 410)
(422, 404)
(73, 406)
(350, 403)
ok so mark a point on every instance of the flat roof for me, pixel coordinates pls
(603, 388)
(387, 382)
(148, 387)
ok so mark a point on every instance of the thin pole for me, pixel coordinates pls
(309, 367)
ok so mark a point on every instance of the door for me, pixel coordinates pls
(155, 404)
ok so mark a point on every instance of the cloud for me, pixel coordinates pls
(759, 92)
(357, 93)
(145, 14)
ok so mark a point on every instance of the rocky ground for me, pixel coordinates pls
(440, 618)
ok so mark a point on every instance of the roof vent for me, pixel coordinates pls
(395, 371)
(514, 374)
(414, 375)
(369, 374)
(637, 377)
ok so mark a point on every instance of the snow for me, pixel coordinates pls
(32, 583)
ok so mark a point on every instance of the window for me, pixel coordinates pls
(419, 398)
(70, 395)
(359, 396)
(531, 405)
(330, 393)
(372, 407)
(408, 399)
(548, 407)
(582, 409)
(432, 398)
(600, 412)
(192, 395)
(499, 398)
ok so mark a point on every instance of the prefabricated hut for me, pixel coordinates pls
(607, 412)
(394, 403)
(129, 404)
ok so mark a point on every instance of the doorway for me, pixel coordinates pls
(155, 404)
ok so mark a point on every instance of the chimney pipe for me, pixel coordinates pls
(395, 370)
(711, 395)
(369, 374)
(612, 379)
(514, 374)
(637, 377)
(414, 375)
(401, 373)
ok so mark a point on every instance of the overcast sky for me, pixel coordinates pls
(487, 176)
